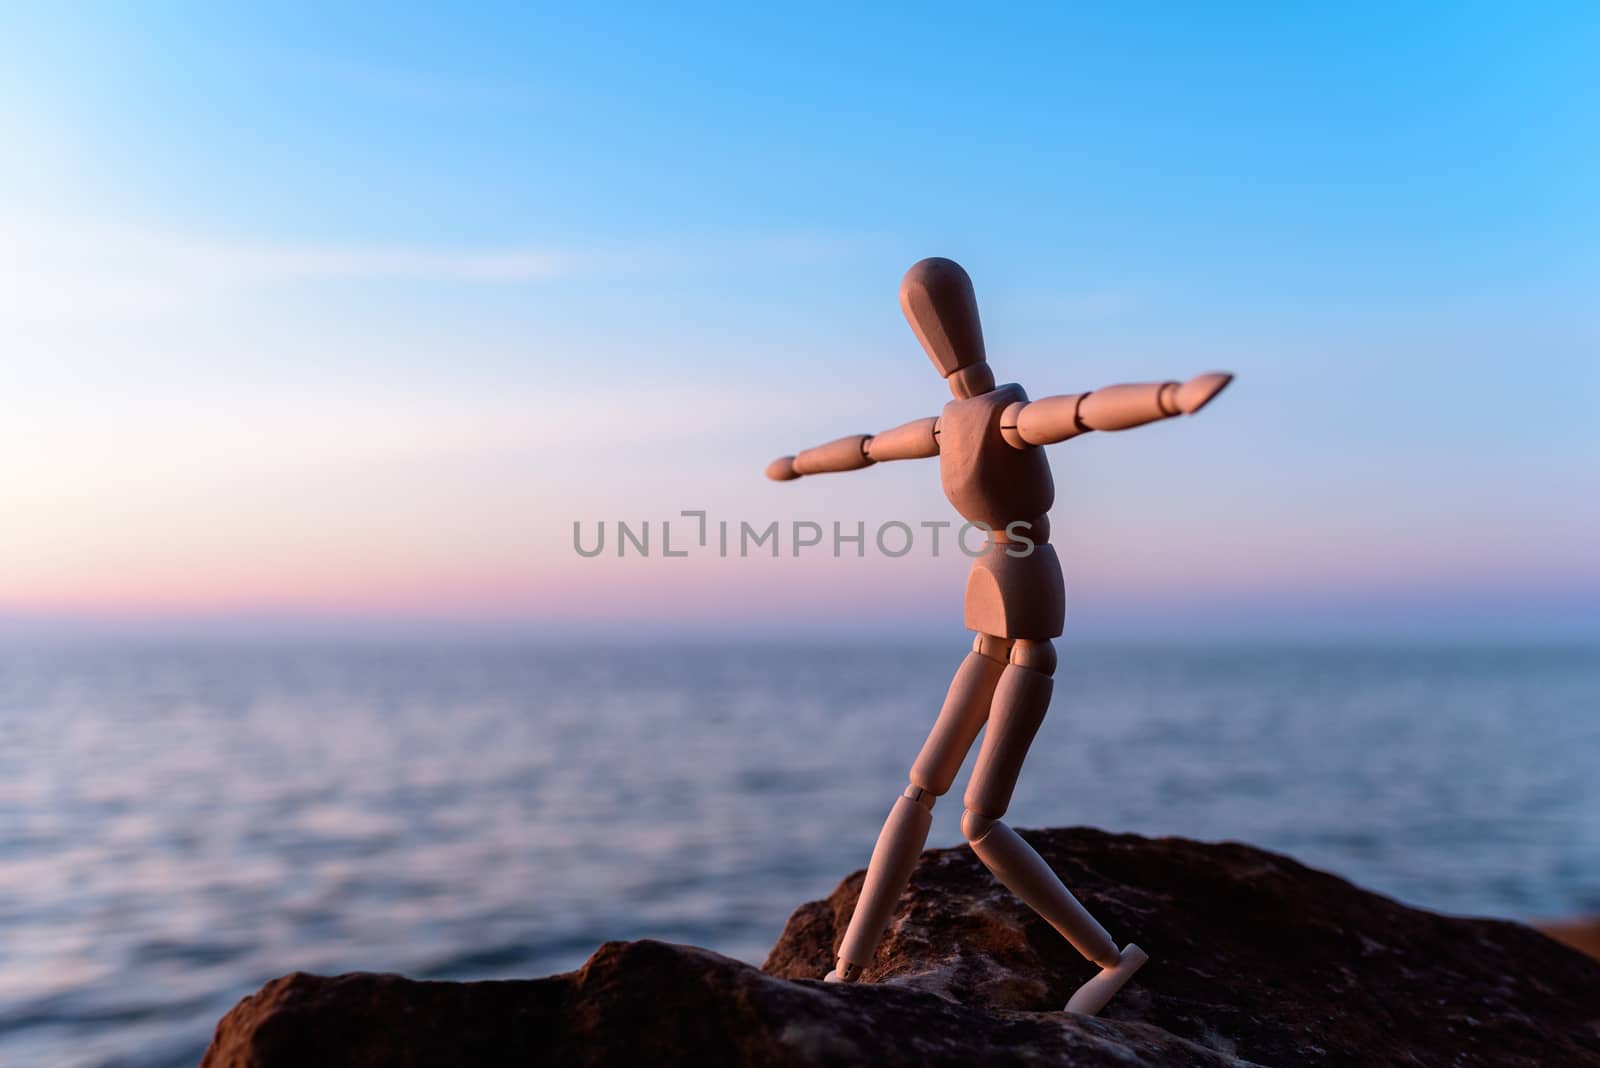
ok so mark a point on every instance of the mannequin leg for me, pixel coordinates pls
(906, 830)
(1020, 701)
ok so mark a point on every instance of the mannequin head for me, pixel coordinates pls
(937, 298)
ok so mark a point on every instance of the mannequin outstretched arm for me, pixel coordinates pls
(1052, 419)
(913, 441)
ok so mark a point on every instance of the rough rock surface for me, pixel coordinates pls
(1255, 959)
(1582, 935)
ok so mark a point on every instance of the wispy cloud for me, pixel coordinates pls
(79, 271)
(74, 270)
(247, 263)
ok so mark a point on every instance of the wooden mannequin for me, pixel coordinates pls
(995, 474)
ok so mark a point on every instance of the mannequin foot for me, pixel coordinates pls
(844, 972)
(1093, 995)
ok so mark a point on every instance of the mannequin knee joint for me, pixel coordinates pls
(974, 825)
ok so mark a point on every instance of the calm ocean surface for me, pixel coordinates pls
(179, 825)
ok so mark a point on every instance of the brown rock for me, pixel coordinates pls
(1255, 958)
(1582, 935)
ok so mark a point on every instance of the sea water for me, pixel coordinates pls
(178, 825)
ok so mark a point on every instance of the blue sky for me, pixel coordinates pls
(327, 315)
